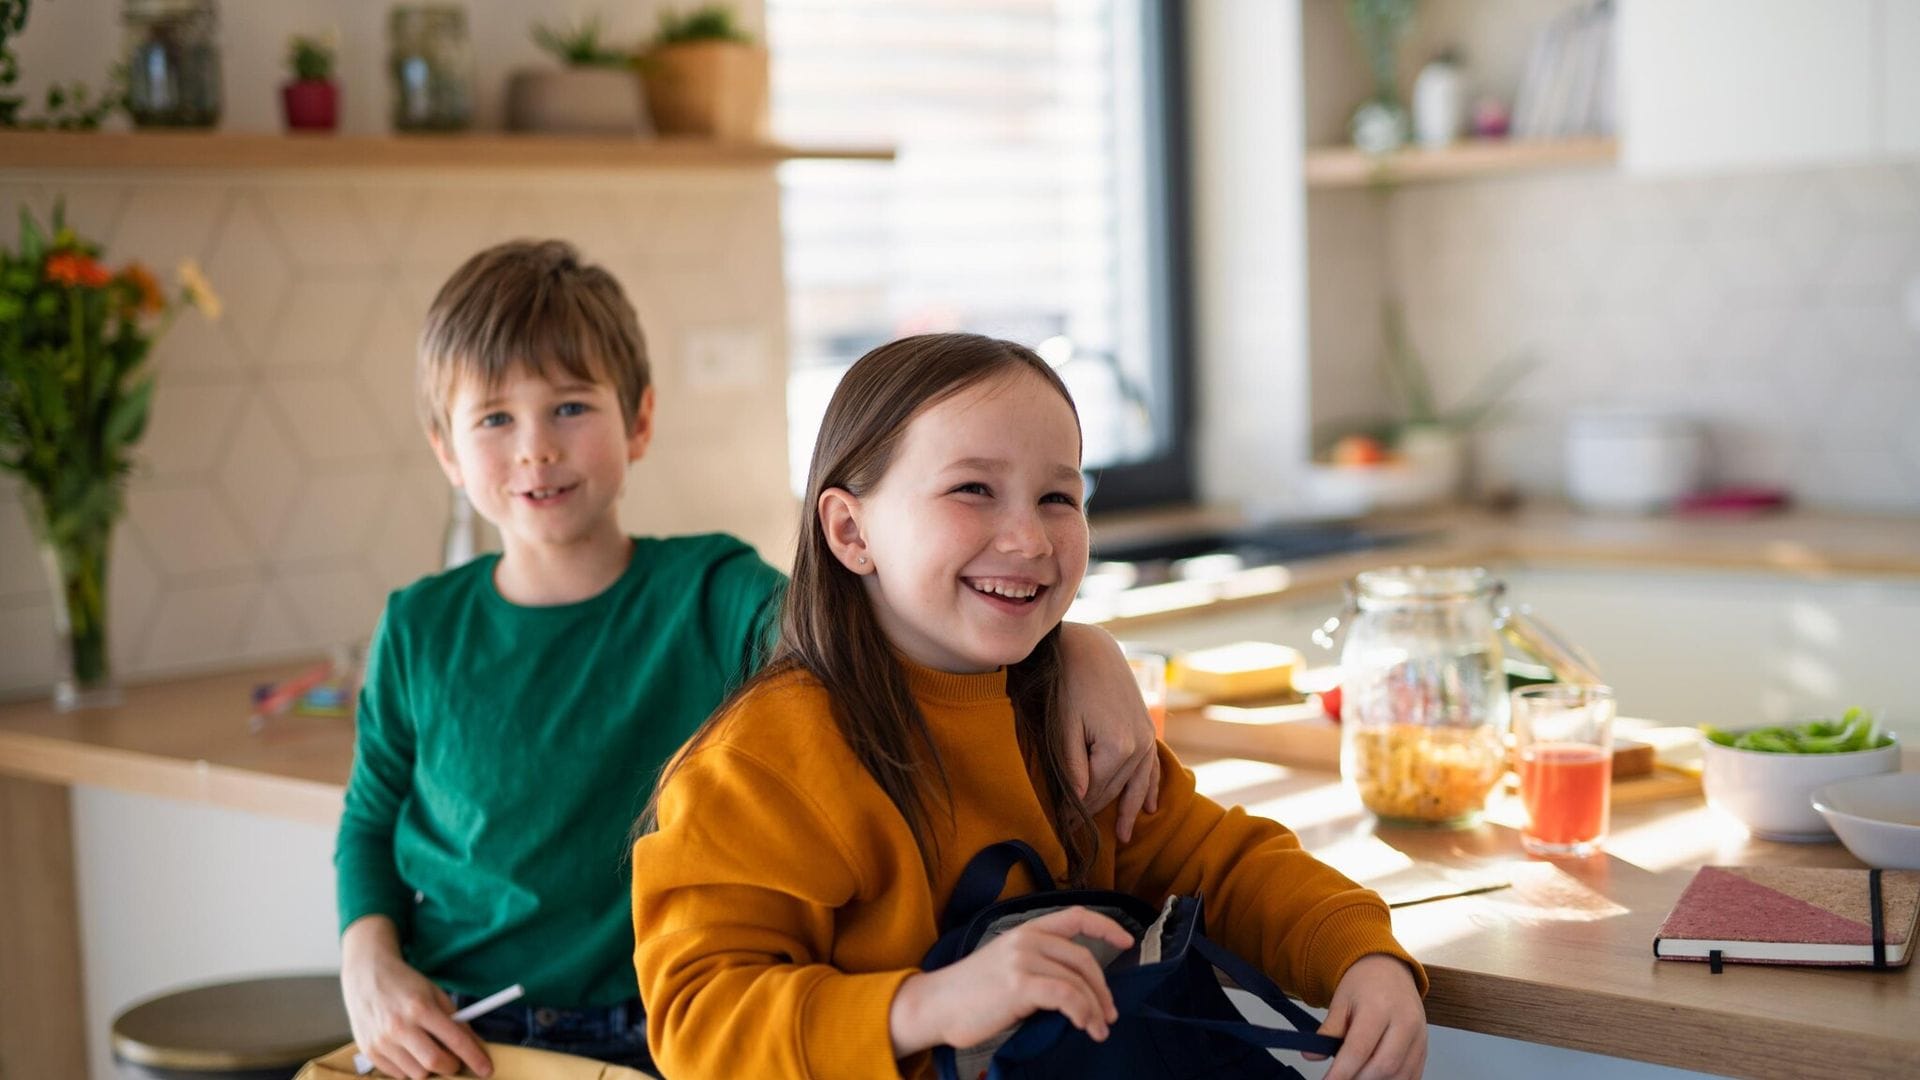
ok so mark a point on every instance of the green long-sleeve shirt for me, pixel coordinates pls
(503, 752)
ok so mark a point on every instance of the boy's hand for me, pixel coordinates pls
(1376, 1009)
(400, 1019)
(1105, 714)
(1032, 967)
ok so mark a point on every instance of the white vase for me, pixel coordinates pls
(1439, 104)
(1436, 457)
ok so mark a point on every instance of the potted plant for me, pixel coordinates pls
(594, 90)
(312, 98)
(705, 76)
(1380, 123)
(75, 391)
(1423, 450)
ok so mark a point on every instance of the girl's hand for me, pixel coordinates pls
(1032, 967)
(400, 1019)
(1376, 1009)
(1105, 715)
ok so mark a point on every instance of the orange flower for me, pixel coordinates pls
(146, 287)
(74, 269)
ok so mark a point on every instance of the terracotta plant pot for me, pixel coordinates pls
(580, 100)
(311, 105)
(717, 89)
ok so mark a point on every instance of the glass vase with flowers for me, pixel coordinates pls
(75, 392)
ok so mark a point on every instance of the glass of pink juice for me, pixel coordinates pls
(1563, 742)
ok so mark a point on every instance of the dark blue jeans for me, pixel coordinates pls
(615, 1033)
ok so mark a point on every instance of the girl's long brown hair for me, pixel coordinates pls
(828, 628)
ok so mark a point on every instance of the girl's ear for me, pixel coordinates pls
(444, 455)
(839, 512)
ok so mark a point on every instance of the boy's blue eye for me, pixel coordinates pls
(494, 419)
(571, 408)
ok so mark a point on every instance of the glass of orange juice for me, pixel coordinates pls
(1150, 674)
(1563, 743)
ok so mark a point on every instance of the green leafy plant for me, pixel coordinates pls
(69, 105)
(1855, 730)
(579, 45)
(1381, 25)
(310, 58)
(1407, 374)
(709, 22)
(75, 392)
(1407, 380)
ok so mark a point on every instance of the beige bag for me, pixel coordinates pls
(509, 1063)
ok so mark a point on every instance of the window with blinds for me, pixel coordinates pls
(1031, 199)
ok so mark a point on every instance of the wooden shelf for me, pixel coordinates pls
(1343, 166)
(233, 150)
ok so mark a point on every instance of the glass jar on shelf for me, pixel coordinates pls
(430, 61)
(1424, 707)
(172, 63)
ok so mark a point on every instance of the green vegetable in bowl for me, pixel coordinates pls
(1857, 730)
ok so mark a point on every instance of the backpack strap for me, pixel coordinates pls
(986, 875)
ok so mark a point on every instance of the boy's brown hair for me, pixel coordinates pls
(534, 304)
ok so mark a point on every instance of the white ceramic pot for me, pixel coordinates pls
(1632, 460)
(1772, 794)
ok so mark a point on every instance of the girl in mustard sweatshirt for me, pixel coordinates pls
(792, 864)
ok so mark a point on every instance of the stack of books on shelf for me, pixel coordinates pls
(1567, 87)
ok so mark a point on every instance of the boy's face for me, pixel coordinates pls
(544, 462)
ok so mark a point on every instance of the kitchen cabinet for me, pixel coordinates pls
(1709, 85)
(1900, 62)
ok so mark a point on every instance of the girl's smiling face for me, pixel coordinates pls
(974, 539)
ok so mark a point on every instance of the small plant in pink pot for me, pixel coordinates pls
(312, 98)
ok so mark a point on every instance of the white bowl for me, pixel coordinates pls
(1877, 817)
(1772, 794)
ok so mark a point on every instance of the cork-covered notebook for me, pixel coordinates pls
(1793, 915)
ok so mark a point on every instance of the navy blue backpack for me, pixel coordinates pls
(1175, 1020)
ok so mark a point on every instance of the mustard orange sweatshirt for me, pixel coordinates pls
(782, 900)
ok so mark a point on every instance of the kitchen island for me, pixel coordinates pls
(1562, 956)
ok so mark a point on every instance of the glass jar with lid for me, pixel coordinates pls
(1424, 689)
(430, 60)
(172, 62)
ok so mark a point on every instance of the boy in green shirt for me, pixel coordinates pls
(517, 709)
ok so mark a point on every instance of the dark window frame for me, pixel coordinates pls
(1165, 479)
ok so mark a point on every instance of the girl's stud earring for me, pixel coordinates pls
(861, 559)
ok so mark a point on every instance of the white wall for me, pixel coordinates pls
(286, 484)
(1249, 250)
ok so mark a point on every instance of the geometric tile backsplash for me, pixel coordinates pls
(1781, 309)
(285, 484)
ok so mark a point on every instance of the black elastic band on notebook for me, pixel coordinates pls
(1713, 961)
(1879, 923)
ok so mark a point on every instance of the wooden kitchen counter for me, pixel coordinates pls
(1563, 956)
(188, 739)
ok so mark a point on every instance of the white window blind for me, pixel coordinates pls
(1015, 206)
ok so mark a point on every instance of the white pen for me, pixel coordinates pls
(363, 1064)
